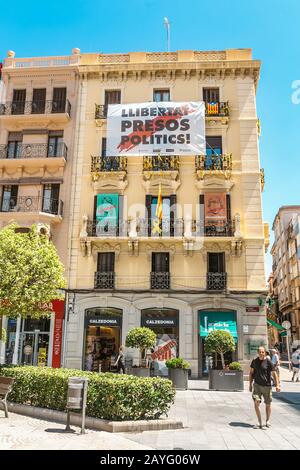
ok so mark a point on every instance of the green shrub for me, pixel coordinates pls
(110, 396)
(141, 338)
(177, 363)
(235, 366)
(3, 335)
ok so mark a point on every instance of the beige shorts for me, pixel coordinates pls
(259, 391)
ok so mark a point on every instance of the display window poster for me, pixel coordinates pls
(165, 349)
(107, 212)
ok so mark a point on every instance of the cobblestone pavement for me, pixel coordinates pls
(23, 433)
(225, 420)
(212, 420)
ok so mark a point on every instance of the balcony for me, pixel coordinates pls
(104, 280)
(135, 228)
(218, 229)
(107, 164)
(217, 109)
(206, 165)
(161, 163)
(212, 109)
(34, 151)
(216, 281)
(22, 206)
(58, 111)
(160, 280)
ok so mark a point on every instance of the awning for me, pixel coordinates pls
(211, 321)
(276, 325)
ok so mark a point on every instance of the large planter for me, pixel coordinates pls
(226, 380)
(179, 378)
(140, 371)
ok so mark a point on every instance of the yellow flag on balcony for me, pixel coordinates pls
(159, 208)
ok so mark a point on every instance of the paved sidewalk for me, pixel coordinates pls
(23, 433)
(224, 420)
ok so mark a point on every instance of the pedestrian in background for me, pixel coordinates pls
(261, 370)
(296, 364)
(275, 361)
(120, 362)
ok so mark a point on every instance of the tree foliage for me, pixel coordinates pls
(141, 338)
(219, 342)
(30, 272)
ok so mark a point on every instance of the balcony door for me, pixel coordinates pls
(9, 198)
(18, 102)
(55, 144)
(216, 263)
(211, 95)
(59, 100)
(38, 101)
(14, 145)
(160, 274)
(51, 198)
(105, 275)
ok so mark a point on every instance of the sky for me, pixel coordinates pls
(270, 27)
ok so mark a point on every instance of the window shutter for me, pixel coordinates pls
(103, 147)
(14, 191)
(228, 208)
(201, 229)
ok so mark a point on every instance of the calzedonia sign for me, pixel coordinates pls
(157, 128)
(152, 322)
(103, 321)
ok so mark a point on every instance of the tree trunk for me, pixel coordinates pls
(222, 359)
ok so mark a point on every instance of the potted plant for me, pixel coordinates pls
(178, 372)
(141, 338)
(228, 377)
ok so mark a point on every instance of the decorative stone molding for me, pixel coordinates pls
(100, 247)
(236, 247)
(83, 231)
(169, 181)
(110, 181)
(215, 182)
(216, 248)
(133, 247)
(159, 247)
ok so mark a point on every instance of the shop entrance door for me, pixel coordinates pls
(34, 347)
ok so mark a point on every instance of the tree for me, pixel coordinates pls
(219, 342)
(30, 273)
(142, 339)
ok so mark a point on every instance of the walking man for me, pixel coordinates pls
(261, 370)
(296, 364)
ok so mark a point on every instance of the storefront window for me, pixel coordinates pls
(103, 328)
(10, 340)
(165, 323)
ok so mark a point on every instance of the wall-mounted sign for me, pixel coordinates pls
(157, 322)
(103, 321)
(245, 328)
(156, 128)
(252, 309)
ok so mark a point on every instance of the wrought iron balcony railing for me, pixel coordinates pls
(104, 280)
(102, 164)
(32, 204)
(213, 229)
(21, 150)
(216, 281)
(108, 228)
(213, 108)
(217, 108)
(142, 227)
(160, 280)
(36, 107)
(215, 162)
(161, 163)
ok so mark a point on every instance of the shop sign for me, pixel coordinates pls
(103, 321)
(59, 309)
(252, 309)
(153, 322)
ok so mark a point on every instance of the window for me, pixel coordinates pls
(168, 215)
(9, 198)
(14, 149)
(106, 262)
(213, 145)
(55, 144)
(50, 198)
(18, 102)
(103, 147)
(161, 95)
(59, 100)
(160, 262)
(211, 95)
(216, 263)
(38, 100)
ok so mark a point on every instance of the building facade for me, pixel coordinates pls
(194, 275)
(37, 125)
(286, 263)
